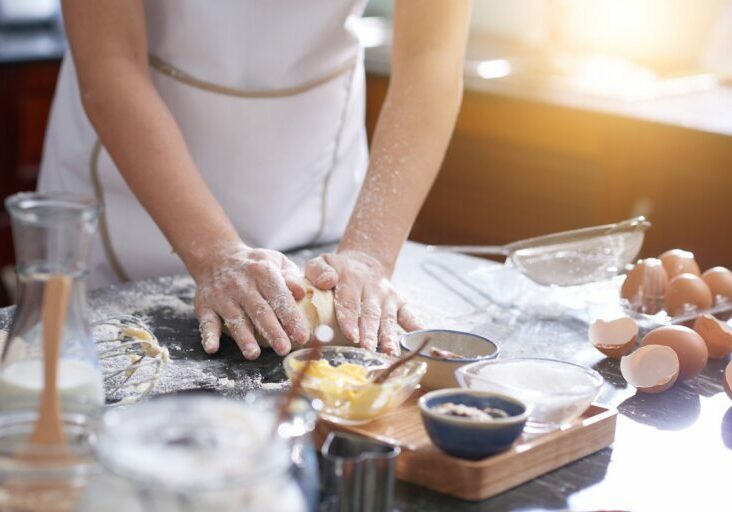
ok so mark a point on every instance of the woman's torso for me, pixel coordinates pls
(270, 99)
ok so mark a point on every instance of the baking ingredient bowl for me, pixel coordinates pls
(557, 392)
(446, 351)
(341, 378)
(46, 477)
(469, 438)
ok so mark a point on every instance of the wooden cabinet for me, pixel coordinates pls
(26, 92)
(518, 168)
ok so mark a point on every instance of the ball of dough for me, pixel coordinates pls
(318, 309)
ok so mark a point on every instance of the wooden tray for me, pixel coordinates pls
(421, 463)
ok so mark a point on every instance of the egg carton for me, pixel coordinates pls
(722, 310)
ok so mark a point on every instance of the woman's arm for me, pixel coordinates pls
(409, 143)
(414, 127)
(109, 47)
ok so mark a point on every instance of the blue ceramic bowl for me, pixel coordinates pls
(471, 439)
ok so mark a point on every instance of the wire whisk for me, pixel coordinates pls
(131, 356)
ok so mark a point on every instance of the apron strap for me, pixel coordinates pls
(109, 251)
(176, 74)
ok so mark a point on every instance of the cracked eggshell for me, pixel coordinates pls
(679, 261)
(645, 285)
(688, 345)
(727, 379)
(614, 338)
(716, 334)
(719, 281)
(651, 369)
(687, 289)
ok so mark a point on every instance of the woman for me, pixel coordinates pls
(219, 133)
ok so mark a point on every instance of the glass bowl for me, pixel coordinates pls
(195, 451)
(354, 400)
(557, 392)
(46, 478)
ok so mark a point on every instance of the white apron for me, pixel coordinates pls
(269, 95)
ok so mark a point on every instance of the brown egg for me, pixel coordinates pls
(717, 335)
(688, 345)
(651, 369)
(678, 261)
(727, 379)
(687, 289)
(719, 281)
(614, 338)
(645, 285)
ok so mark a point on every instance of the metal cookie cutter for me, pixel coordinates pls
(358, 474)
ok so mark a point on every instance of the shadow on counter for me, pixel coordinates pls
(551, 491)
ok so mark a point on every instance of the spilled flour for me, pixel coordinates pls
(145, 298)
(166, 305)
(230, 379)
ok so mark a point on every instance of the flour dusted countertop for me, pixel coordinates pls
(667, 445)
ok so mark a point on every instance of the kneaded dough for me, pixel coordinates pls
(318, 308)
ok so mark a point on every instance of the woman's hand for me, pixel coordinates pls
(367, 308)
(250, 288)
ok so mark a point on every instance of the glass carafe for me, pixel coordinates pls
(52, 233)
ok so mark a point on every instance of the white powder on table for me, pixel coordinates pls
(171, 298)
(230, 378)
(174, 293)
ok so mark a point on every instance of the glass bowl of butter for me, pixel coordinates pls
(342, 379)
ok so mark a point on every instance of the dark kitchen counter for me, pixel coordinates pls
(673, 451)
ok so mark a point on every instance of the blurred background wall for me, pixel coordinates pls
(581, 112)
(576, 112)
(662, 33)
